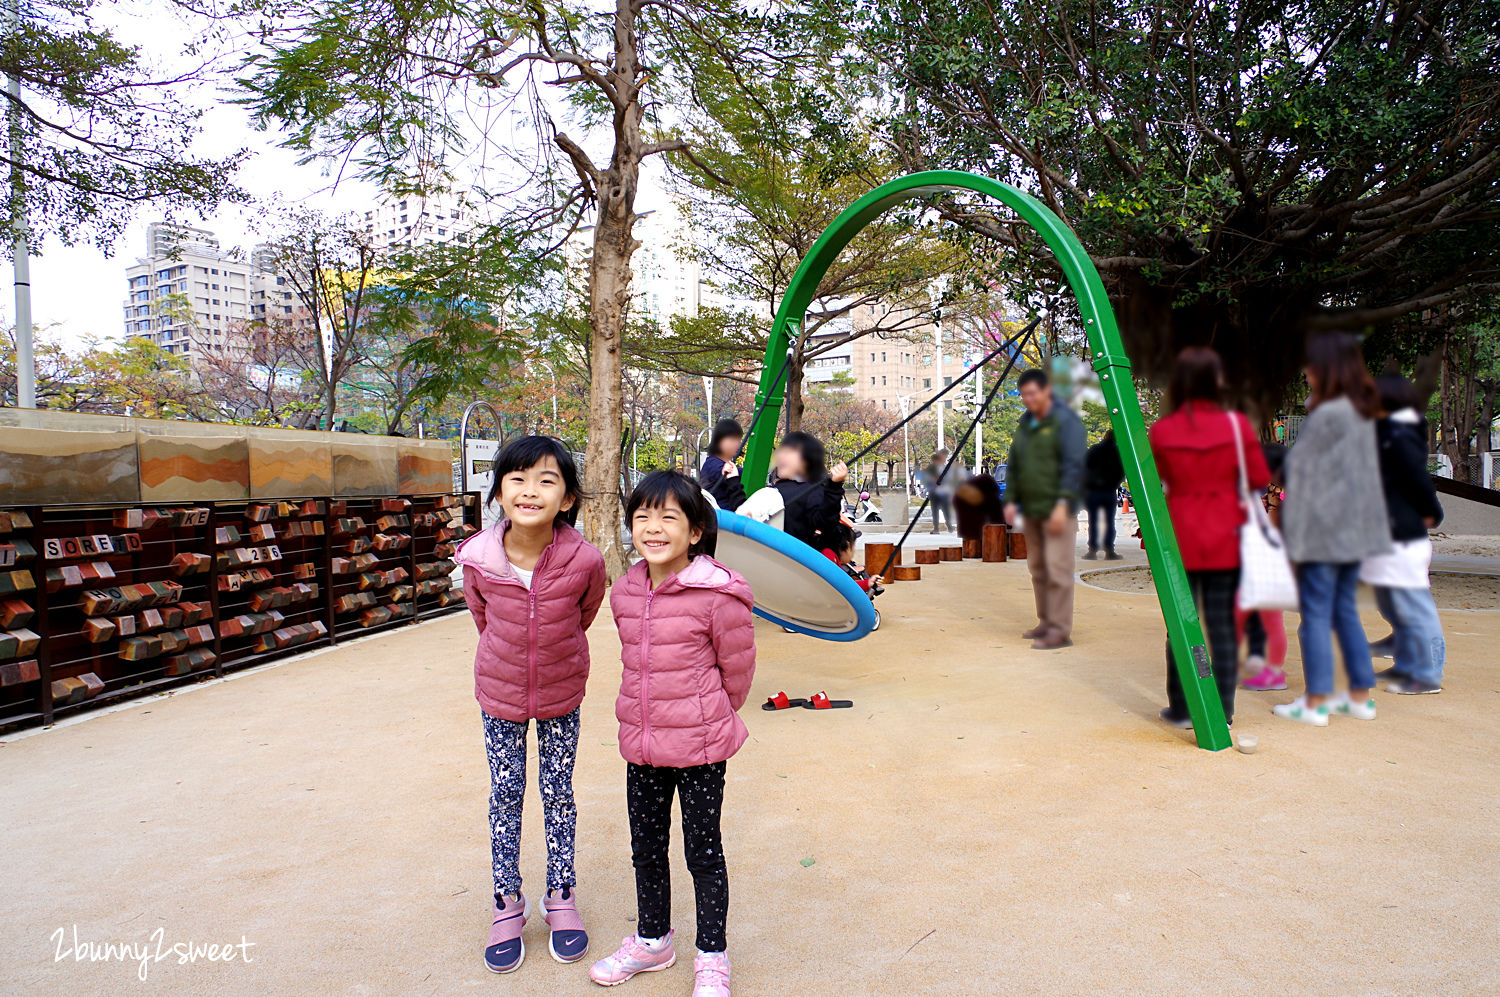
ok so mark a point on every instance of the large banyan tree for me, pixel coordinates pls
(1244, 172)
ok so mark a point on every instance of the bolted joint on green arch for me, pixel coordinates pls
(1183, 628)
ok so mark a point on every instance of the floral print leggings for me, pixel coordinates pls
(648, 795)
(557, 747)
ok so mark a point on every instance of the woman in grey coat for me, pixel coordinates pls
(1333, 518)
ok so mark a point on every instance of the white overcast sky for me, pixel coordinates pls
(80, 290)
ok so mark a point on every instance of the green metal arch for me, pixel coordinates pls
(1113, 366)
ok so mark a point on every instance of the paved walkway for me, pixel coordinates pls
(987, 820)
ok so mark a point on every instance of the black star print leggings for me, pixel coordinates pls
(648, 794)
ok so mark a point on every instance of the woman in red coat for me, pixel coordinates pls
(1195, 449)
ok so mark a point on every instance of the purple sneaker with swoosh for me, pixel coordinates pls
(569, 941)
(633, 957)
(505, 950)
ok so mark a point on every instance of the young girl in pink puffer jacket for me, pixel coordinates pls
(688, 645)
(533, 585)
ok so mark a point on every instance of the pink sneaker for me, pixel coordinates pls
(632, 958)
(569, 941)
(711, 972)
(505, 950)
(1268, 679)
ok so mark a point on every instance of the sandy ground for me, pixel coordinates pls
(987, 820)
(1450, 590)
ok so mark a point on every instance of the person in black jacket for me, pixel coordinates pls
(813, 495)
(1102, 473)
(1403, 591)
(720, 476)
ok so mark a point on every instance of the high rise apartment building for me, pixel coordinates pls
(187, 295)
(884, 366)
(412, 221)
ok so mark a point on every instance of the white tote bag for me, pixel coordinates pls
(1266, 578)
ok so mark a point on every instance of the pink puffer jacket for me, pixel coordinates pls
(689, 654)
(533, 655)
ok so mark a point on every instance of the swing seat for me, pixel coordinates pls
(794, 586)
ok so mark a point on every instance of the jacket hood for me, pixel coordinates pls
(485, 550)
(702, 572)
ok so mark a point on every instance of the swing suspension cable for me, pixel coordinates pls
(1013, 344)
(761, 408)
(1025, 334)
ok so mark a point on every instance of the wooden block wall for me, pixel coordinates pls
(100, 603)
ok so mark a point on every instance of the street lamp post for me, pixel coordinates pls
(551, 370)
(904, 401)
(20, 247)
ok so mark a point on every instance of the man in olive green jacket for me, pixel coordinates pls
(1043, 483)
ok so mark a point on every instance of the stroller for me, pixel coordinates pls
(846, 537)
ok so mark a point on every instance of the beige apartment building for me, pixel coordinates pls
(188, 295)
(885, 366)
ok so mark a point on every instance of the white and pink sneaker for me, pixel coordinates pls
(635, 956)
(711, 974)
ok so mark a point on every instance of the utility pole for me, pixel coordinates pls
(979, 415)
(20, 248)
(937, 342)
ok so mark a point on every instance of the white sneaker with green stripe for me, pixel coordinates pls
(1299, 711)
(1346, 707)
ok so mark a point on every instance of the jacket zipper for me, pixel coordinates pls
(646, 675)
(531, 681)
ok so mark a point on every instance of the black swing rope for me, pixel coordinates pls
(1013, 344)
(1020, 338)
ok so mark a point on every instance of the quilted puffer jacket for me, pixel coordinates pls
(533, 654)
(689, 654)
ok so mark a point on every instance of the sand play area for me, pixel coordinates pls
(987, 820)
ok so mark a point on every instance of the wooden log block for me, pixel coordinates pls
(188, 563)
(876, 554)
(10, 674)
(927, 555)
(994, 542)
(195, 660)
(315, 507)
(99, 631)
(66, 692)
(433, 569)
(30, 670)
(129, 519)
(16, 581)
(906, 573)
(15, 613)
(951, 553)
(375, 616)
(262, 532)
(141, 648)
(304, 571)
(973, 548)
(1018, 545)
(18, 643)
(195, 612)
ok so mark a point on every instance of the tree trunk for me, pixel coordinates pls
(609, 301)
(794, 404)
(1486, 418)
